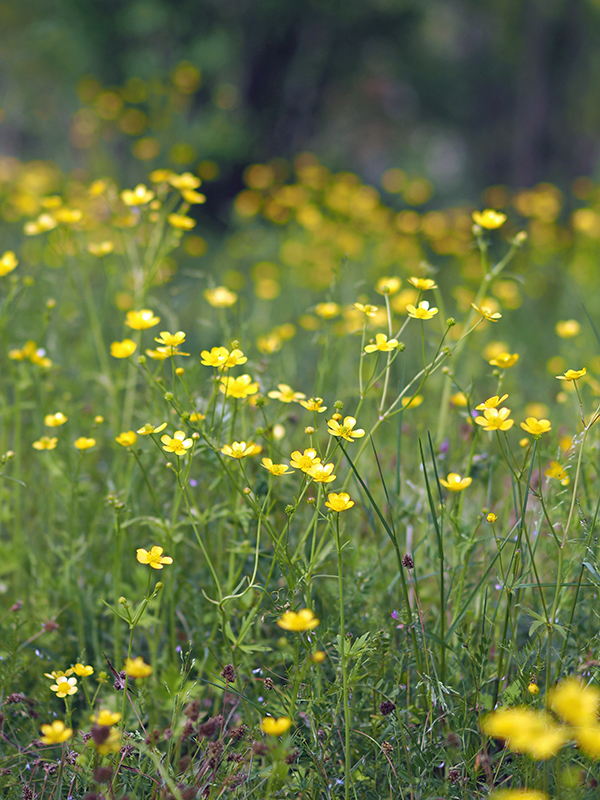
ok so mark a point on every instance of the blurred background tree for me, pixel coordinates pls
(464, 93)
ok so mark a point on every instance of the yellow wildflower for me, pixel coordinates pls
(286, 394)
(504, 360)
(141, 320)
(112, 743)
(388, 285)
(275, 469)
(459, 400)
(238, 387)
(275, 727)
(327, 310)
(367, 308)
(55, 733)
(221, 358)
(346, 430)
(339, 502)
(46, 443)
(83, 670)
(184, 181)
(137, 668)
(536, 427)
(568, 328)
(412, 402)
(526, 731)
(491, 402)
(153, 557)
(314, 404)
(220, 297)
(64, 686)
(238, 449)
(303, 620)
(533, 688)
(181, 222)
(192, 197)
(491, 518)
(148, 429)
(556, 471)
(487, 313)
(140, 196)
(170, 339)
(455, 483)
(54, 420)
(576, 703)
(572, 374)
(489, 219)
(422, 311)
(519, 794)
(304, 461)
(100, 249)
(382, 343)
(318, 657)
(321, 473)
(423, 284)
(8, 262)
(105, 717)
(177, 444)
(495, 419)
(123, 349)
(127, 438)
(83, 443)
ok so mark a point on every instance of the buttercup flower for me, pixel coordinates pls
(275, 727)
(388, 285)
(100, 249)
(304, 461)
(422, 311)
(55, 733)
(286, 394)
(504, 360)
(519, 794)
(127, 438)
(64, 686)
(184, 181)
(455, 483)
(46, 443)
(137, 668)
(177, 444)
(123, 349)
(576, 703)
(83, 443)
(327, 310)
(162, 353)
(220, 297)
(339, 502)
(568, 328)
(221, 358)
(412, 402)
(54, 420)
(275, 469)
(536, 427)
(491, 518)
(240, 387)
(321, 473)
(487, 313)
(491, 402)
(148, 429)
(556, 471)
(181, 221)
(8, 262)
(303, 620)
(314, 404)
(382, 343)
(423, 284)
(489, 219)
(495, 419)
(238, 449)
(318, 657)
(367, 309)
(526, 731)
(105, 717)
(141, 320)
(572, 374)
(170, 339)
(346, 430)
(108, 744)
(83, 670)
(140, 196)
(154, 557)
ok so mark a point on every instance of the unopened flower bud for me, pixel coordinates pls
(520, 238)
(195, 436)
(450, 322)
(28, 280)
(50, 303)
(98, 419)
(158, 586)
(338, 405)
(247, 490)
(142, 359)
(169, 396)
(180, 371)
(289, 510)
(309, 430)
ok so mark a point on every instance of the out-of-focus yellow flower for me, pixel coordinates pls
(519, 794)
(568, 328)
(186, 181)
(275, 469)
(459, 400)
(54, 420)
(367, 309)
(345, 430)
(148, 429)
(123, 349)
(327, 310)
(303, 620)
(533, 688)
(423, 284)
(572, 374)
(126, 439)
(137, 668)
(556, 471)
(100, 249)
(140, 320)
(339, 502)
(455, 483)
(238, 449)
(304, 461)
(495, 419)
(111, 744)
(83, 443)
(220, 297)
(8, 262)
(45, 222)
(192, 197)
(153, 558)
(487, 313)
(536, 427)
(181, 222)
(575, 702)
(422, 311)
(55, 733)
(177, 444)
(412, 402)
(489, 219)
(239, 387)
(106, 717)
(321, 473)
(286, 394)
(388, 285)
(275, 727)
(140, 196)
(46, 443)
(83, 670)
(491, 402)
(526, 731)
(382, 343)
(318, 657)
(504, 360)
(314, 404)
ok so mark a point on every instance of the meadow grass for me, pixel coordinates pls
(301, 517)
